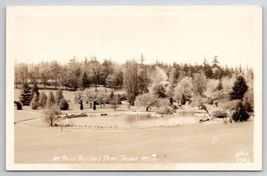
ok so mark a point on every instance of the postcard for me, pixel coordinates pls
(134, 88)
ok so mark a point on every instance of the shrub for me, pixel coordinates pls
(25, 95)
(63, 104)
(147, 100)
(19, 106)
(50, 101)
(58, 96)
(52, 114)
(42, 99)
(166, 110)
(229, 105)
(34, 102)
(35, 90)
(240, 113)
(219, 114)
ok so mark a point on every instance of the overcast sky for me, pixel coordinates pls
(164, 37)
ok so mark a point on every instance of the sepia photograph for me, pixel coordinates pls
(134, 88)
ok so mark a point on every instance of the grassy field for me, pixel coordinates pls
(202, 143)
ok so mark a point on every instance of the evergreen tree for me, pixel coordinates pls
(215, 62)
(34, 102)
(59, 96)
(220, 86)
(239, 89)
(50, 101)
(42, 99)
(63, 105)
(240, 113)
(85, 81)
(143, 81)
(35, 90)
(25, 95)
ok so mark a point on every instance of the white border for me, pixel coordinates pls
(254, 11)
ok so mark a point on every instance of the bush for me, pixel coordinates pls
(229, 105)
(35, 102)
(50, 101)
(240, 113)
(166, 110)
(219, 114)
(19, 106)
(42, 99)
(25, 94)
(58, 96)
(52, 114)
(63, 104)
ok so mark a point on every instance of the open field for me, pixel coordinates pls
(189, 143)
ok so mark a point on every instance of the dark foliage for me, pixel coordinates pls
(240, 113)
(35, 90)
(19, 106)
(239, 89)
(63, 105)
(25, 95)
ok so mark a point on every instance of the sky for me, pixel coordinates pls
(165, 37)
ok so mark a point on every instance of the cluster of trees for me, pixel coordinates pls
(91, 72)
(144, 84)
(31, 96)
(73, 75)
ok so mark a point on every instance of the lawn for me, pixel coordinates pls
(202, 143)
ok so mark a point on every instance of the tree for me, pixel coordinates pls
(220, 86)
(240, 113)
(52, 114)
(130, 81)
(215, 61)
(106, 70)
(63, 104)
(102, 97)
(199, 83)
(147, 100)
(44, 72)
(159, 90)
(21, 73)
(95, 68)
(114, 100)
(111, 81)
(25, 95)
(50, 101)
(33, 73)
(173, 77)
(55, 71)
(74, 73)
(58, 96)
(85, 81)
(64, 77)
(42, 99)
(35, 102)
(239, 89)
(35, 90)
(143, 81)
(183, 90)
(142, 59)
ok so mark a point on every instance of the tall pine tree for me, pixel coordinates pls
(25, 95)
(239, 89)
(58, 96)
(35, 90)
